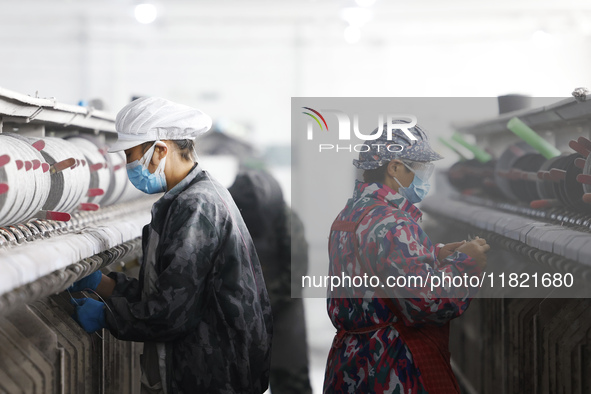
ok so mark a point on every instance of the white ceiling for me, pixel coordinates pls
(240, 58)
(317, 21)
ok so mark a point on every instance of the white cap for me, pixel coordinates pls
(153, 119)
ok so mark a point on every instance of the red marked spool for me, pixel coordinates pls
(557, 175)
(39, 145)
(28, 165)
(3, 188)
(36, 164)
(542, 204)
(45, 167)
(585, 179)
(86, 206)
(580, 149)
(96, 166)
(4, 159)
(59, 216)
(585, 143)
(95, 192)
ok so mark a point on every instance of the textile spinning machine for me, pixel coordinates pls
(527, 190)
(67, 209)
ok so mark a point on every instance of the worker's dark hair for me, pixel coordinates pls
(185, 148)
(146, 145)
(378, 175)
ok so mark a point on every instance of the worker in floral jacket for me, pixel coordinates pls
(392, 335)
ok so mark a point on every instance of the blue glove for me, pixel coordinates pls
(90, 314)
(89, 282)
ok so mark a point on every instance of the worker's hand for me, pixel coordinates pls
(476, 249)
(448, 249)
(89, 282)
(90, 314)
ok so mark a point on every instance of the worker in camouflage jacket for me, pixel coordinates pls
(200, 305)
(278, 235)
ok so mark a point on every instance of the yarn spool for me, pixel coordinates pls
(100, 175)
(29, 188)
(40, 174)
(9, 178)
(70, 185)
(48, 178)
(121, 188)
(20, 187)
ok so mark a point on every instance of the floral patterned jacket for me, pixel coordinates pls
(391, 244)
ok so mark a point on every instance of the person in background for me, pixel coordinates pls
(394, 338)
(200, 305)
(278, 235)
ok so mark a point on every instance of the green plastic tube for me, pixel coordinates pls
(479, 154)
(526, 133)
(453, 148)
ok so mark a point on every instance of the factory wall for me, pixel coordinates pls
(244, 63)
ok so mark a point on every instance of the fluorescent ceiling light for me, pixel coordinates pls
(145, 13)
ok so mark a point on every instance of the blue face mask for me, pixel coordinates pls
(419, 188)
(142, 178)
(416, 191)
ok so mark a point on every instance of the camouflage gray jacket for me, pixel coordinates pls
(200, 302)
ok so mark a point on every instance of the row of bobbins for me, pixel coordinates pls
(50, 178)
